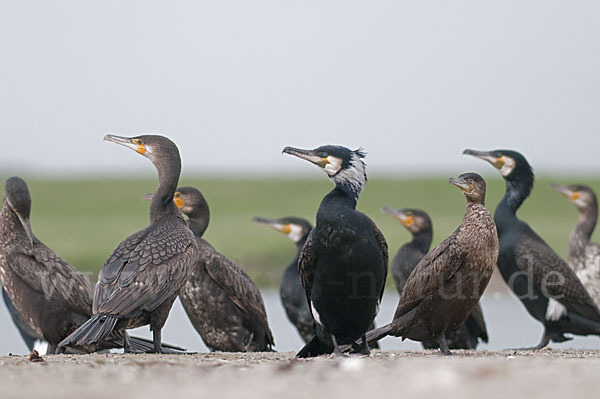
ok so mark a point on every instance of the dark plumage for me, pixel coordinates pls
(26, 332)
(545, 284)
(50, 296)
(222, 302)
(584, 255)
(418, 223)
(142, 277)
(343, 264)
(291, 291)
(447, 283)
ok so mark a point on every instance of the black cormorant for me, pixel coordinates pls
(545, 284)
(220, 299)
(447, 283)
(26, 332)
(343, 264)
(52, 297)
(418, 223)
(584, 255)
(142, 277)
(291, 291)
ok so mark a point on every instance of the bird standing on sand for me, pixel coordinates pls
(418, 223)
(543, 282)
(343, 264)
(220, 299)
(447, 283)
(51, 298)
(584, 255)
(291, 291)
(142, 277)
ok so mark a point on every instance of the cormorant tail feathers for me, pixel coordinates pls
(315, 348)
(92, 331)
(143, 345)
(378, 333)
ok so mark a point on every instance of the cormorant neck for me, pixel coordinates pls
(302, 241)
(341, 195)
(198, 226)
(168, 177)
(517, 190)
(11, 227)
(581, 234)
(422, 240)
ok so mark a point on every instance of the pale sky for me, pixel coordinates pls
(233, 82)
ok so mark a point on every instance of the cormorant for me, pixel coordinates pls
(142, 277)
(418, 223)
(220, 299)
(26, 332)
(343, 264)
(447, 283)
(545, 284)
(584, 255)
(52, 297)
(291, 291)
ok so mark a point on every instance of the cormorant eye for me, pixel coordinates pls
(140, 142)
(177, 195)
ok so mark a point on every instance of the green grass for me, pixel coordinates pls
(84, 220)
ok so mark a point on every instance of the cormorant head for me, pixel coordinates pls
(511, 164)
(582, 196)
(192, 203)
(296, 229)
(415, 220)
(344, 166)
(472, 185)
(154, 147)
(18, 199)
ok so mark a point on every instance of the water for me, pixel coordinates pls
(509, 326)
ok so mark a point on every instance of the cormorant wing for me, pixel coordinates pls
(47, 273)
(476, 324)
(408, 257)
(238, 286)
(147, 268)
(437, 267)
(553, 276)
(306, 266)
(383, 248)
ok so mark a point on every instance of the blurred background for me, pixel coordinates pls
(233, 82)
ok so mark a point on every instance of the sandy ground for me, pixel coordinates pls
(466, 374)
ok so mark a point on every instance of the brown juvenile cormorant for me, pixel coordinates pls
(142, 277)
(447, 283)
(52, 297)
(545, 284)
(343, 264)
(291, 291)
(418, 223)
(584, 255)
(220, 299)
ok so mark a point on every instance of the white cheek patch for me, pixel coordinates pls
(555, 310)
(315, 313)
(508, 166)
(334, 165)
(295, 233)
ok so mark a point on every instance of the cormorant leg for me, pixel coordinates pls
(443, 344)
(126, 344)
(156, 335)
(336, 348)
(544, 342)
(54, 350)
(364, 349)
